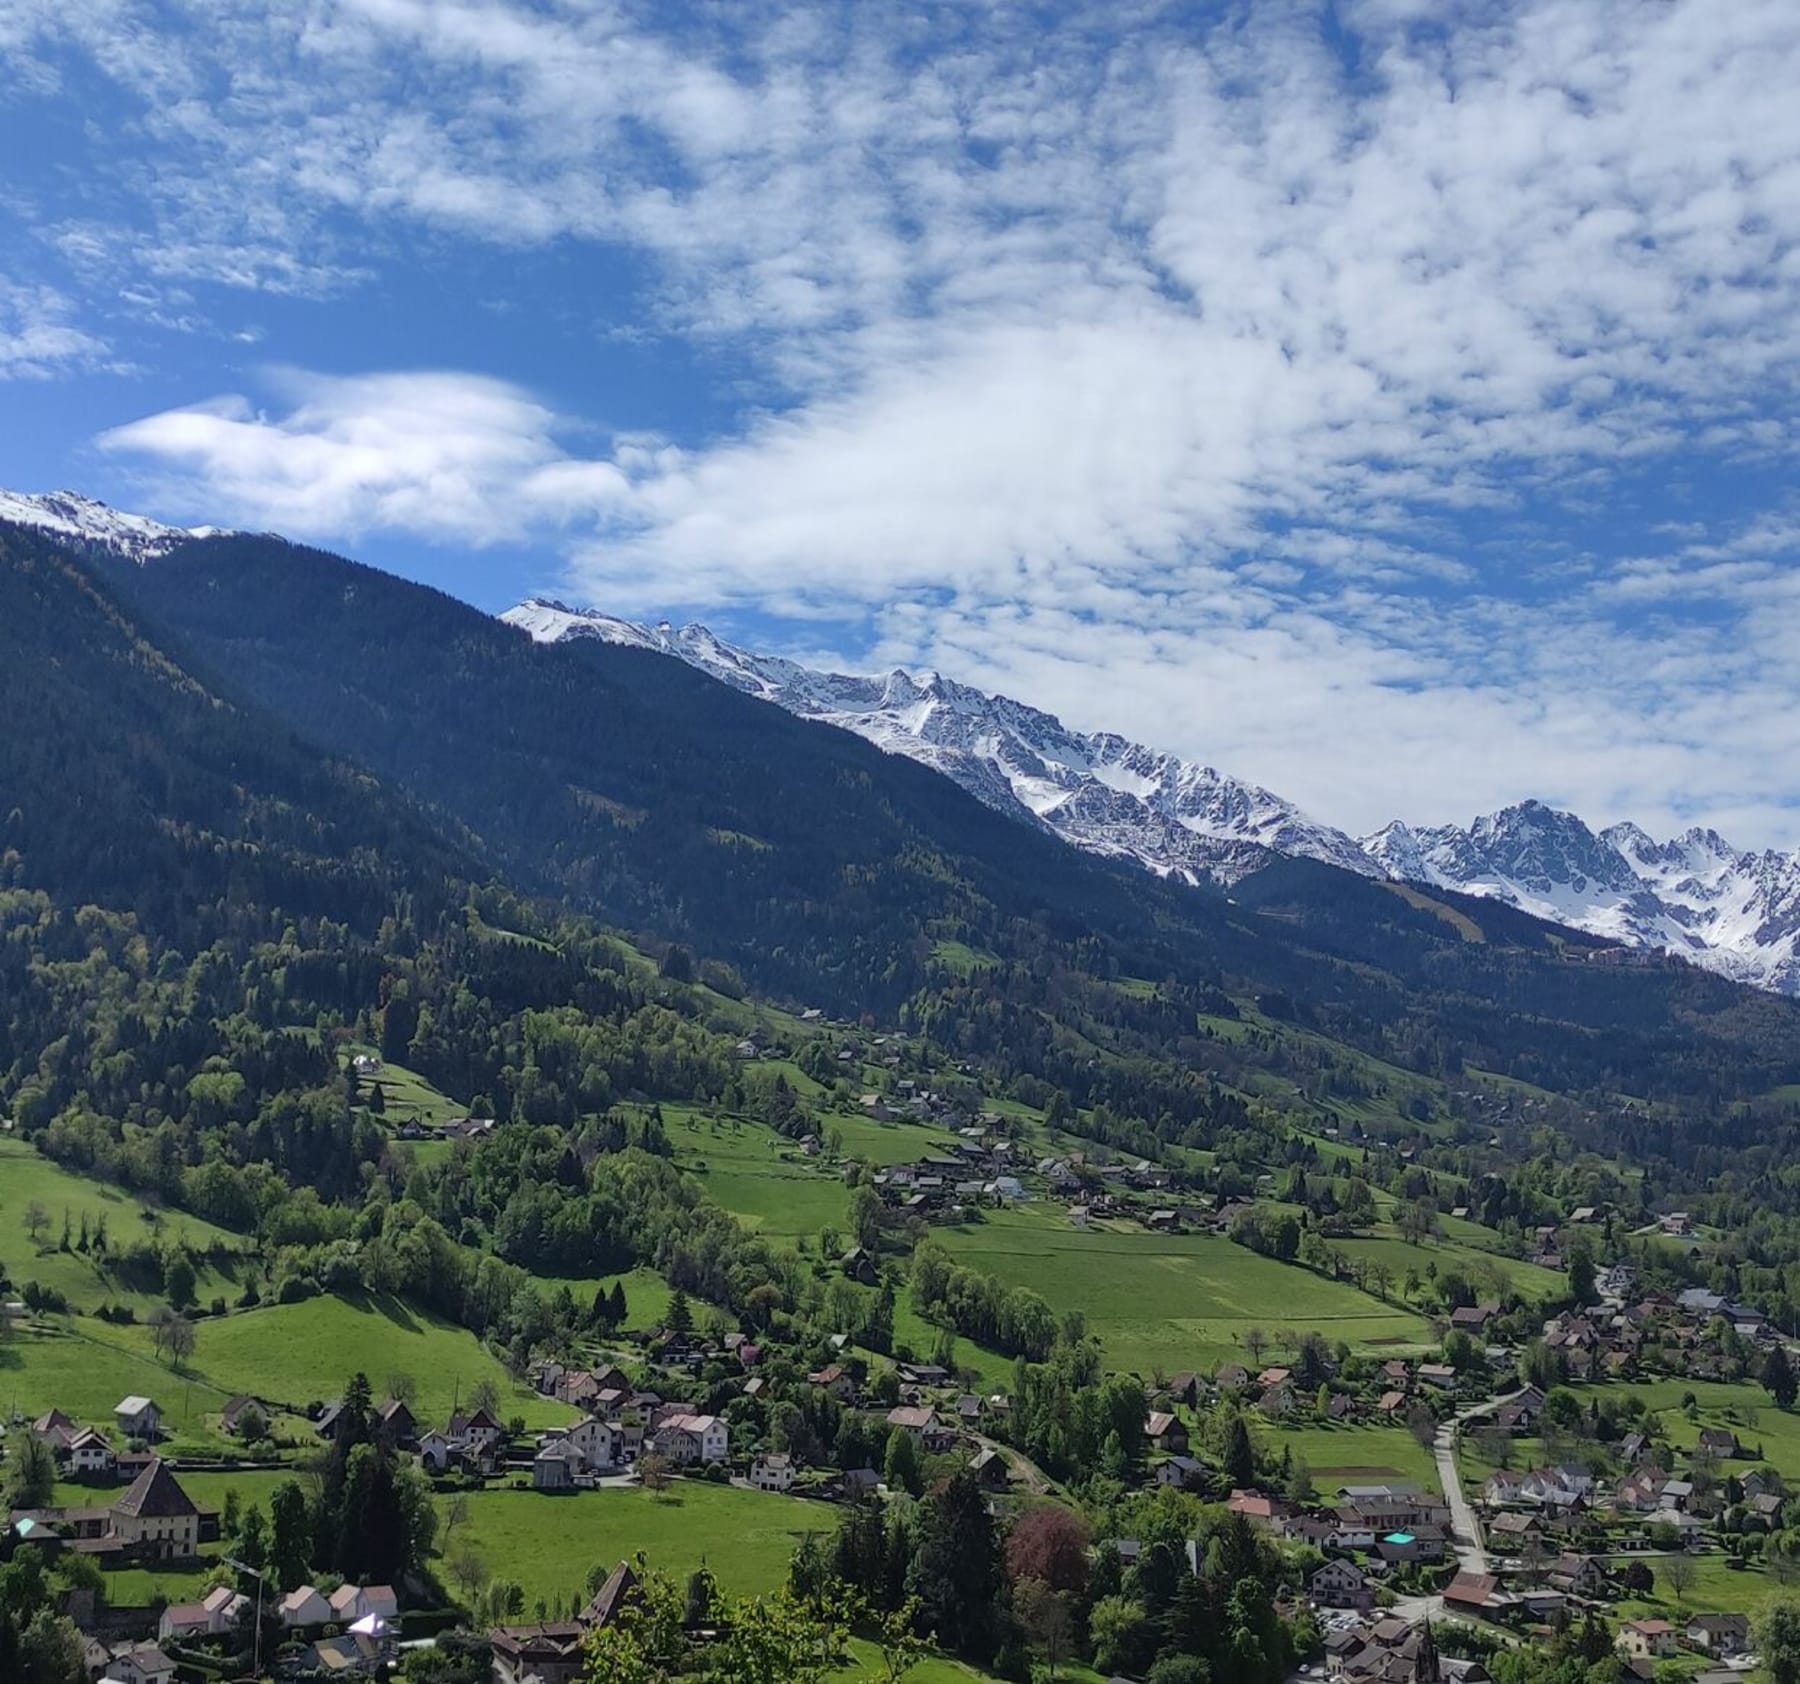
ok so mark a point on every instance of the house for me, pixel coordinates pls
(138, 1417)
(1186, 1388)
(990, 1469)
(139, 1663)
(89, 1454)
(1254, 1506)
(1472, 1591)
(1439, 1374)
(240, 1412)
(834, 1378)
(54, 1429)
(395, 1425)
(435, 1451)
(1166, 1432)
(693, 1438)
(1184, 1473)
(555, 1652)
(1649, 1639)
(1339, 1585)
(772, 1472)
(303, 1606)
(181, 1622)
(1579, 1575)
(1390, 1403)
(859, 1265)
(1719, 1634)
(917, 1419)
(1719, 1441)
(156, 1516)
(350, 1603)
(478, 1431)
(553, 1468)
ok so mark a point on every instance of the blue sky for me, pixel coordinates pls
(1390, 402)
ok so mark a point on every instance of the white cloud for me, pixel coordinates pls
(38, 336)
(1187, 378)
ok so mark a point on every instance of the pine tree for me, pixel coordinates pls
(681, 1314)
(1778, 1377)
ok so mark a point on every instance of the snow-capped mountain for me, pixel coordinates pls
(74, 519)
(1734, 912)
(1100, 792)
(1737, 913)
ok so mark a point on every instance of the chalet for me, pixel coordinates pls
(772, 1471)
(836, 1379)
(90, 1456)
(1233, 1377)
(1341, 1406)
(1339, 1585)
(241, 1412)
(1719, 1441)
(1473, 1318)
(1183, 1473)
(1719, 1634)
(477, 1431)
(1390, 1403)
(1186, 1388)
(1579, 1575)
(1166, 1432)
(917, 1419)
(1649, 1639)
(1439, 1374)
(395, 1425)
(1257, 1507)
(138, 1417)
(436, 1451)
(1278, 1401)
(1514, 1529)
(990, 1469)
(859, 1265)
(1274, 1377)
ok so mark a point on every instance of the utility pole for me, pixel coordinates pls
(256, 1658)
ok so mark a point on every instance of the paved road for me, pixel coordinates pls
(1465, 1532)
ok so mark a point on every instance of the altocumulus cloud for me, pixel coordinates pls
(1267, 383)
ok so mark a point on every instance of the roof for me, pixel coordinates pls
(132, 1406)
(154, 1494)
(620, 1587)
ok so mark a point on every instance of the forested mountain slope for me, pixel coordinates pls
(654, 797)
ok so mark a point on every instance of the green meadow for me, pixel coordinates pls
(66, 1200)
(1175, 1301)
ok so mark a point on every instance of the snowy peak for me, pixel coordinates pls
(1101, 792)
(74, 519)
(1696, 895)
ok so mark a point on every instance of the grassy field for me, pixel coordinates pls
(548, 1544)
(1175, 1302)
(760, 1177)
(27, 1179)
(406, 1095)
(1449, 1252)
(290, 1354)
(1356, 1453)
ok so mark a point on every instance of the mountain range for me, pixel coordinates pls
(1732, 911)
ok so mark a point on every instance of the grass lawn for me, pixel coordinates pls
(763, 1179)
(299, 1353)
(1355, 1454)
(1717, 1590)
(1175, 1302)
(548, 1544)
(406, 1095)
(1450, 1252)
(27, 1179)
(646, 1294)
(85, 1367)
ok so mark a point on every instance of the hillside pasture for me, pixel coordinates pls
(1175, 1301)
(66, 1201)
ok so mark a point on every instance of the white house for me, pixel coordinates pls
(772, 1472)
(140, 1663)
(218, 1611)
(595, 1445)
(434, 1450)
(89, 1453)
(693, 1438)
(553, 1468)
(138, 1417)
(350, 1603)
(304, 1607)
